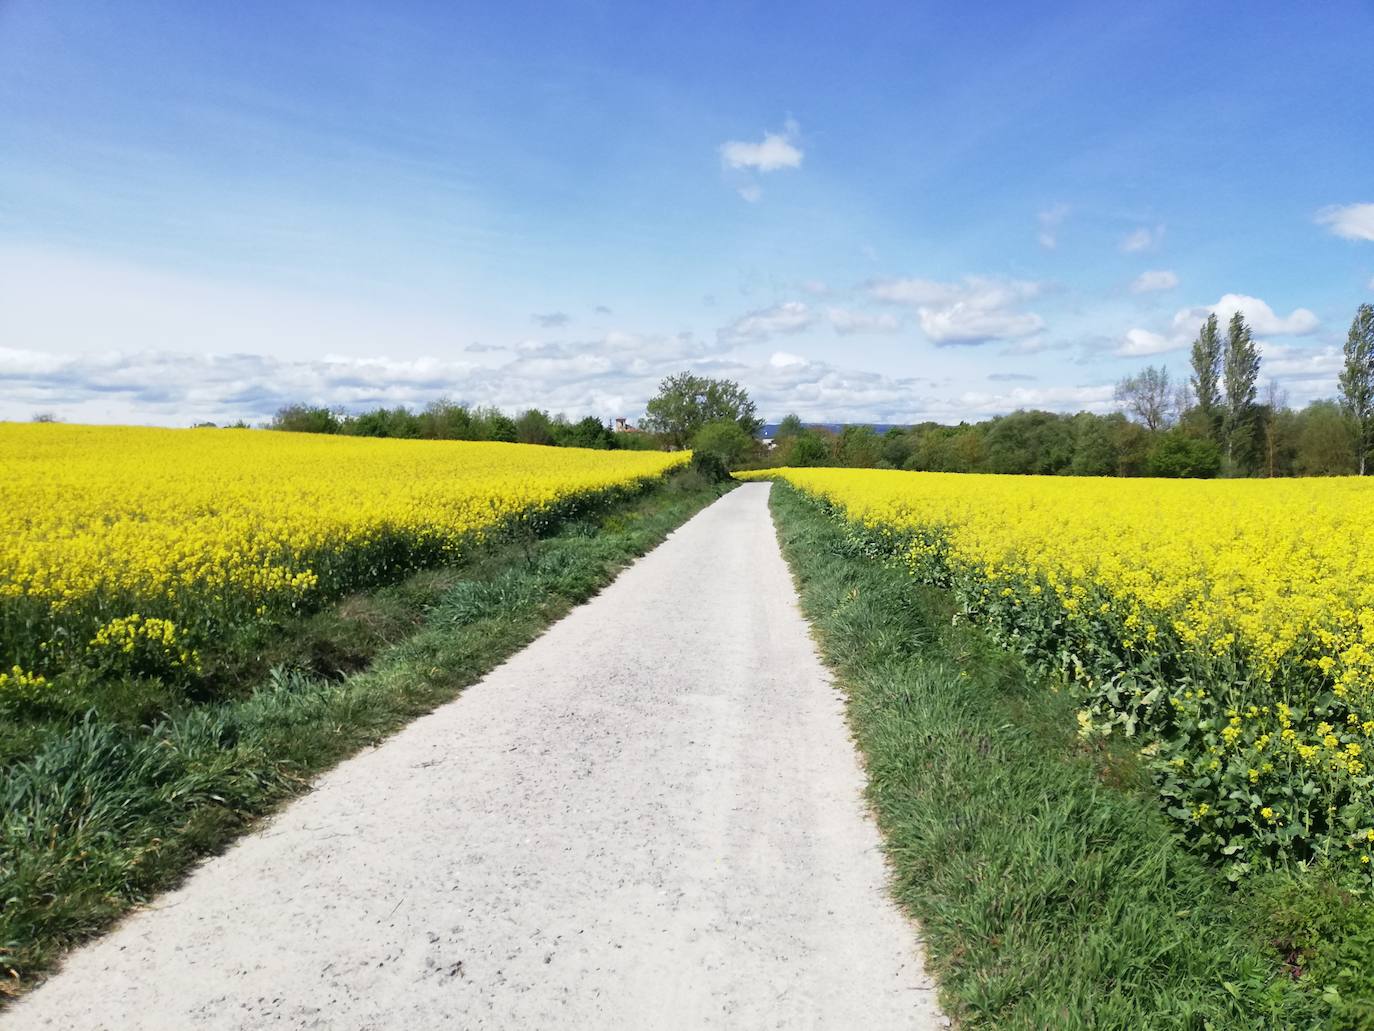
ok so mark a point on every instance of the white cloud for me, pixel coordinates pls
(847, 321)
(1142, 239)
(1351, 221)
(613, 375)
(759, 325)
(962, 324)
(1141, 342)
(1283, 362)
(776, 151)
(744, 160)
(1157, 279)
(973, 311)
(1050, 220)
(1262, 319)
(1186, 322)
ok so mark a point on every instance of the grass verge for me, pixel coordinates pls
(1051, 889)
(106, 806)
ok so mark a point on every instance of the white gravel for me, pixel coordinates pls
(649, 818)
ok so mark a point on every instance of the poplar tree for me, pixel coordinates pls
(1357, 381)
(1240, 373)
(1206, 362)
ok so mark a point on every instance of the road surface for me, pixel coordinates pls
(649, 818)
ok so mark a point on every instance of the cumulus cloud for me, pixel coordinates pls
(1142, 239)
(1351, 221)
(785, 359)
(972, 311)
(1262, 319)
(552, 320)
(764, 323)
(1286, 362)
(775, 151)
(1142, 342)
(847, 321)
(743, 159)
(1157, 279)
(1050, 220)
(612, 375)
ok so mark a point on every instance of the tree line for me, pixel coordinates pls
(689, 411)
(449, 420)
(1215, 423)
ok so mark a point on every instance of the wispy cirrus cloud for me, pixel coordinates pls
(1154, 280)
(1143, 239)
(1349, 221)
(848, 320)
(1050, 220)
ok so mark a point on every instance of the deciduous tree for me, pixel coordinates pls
(686, 402)
(1149, 396)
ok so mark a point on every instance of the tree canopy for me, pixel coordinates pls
(686, 402)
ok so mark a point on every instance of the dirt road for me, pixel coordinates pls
(650, 818)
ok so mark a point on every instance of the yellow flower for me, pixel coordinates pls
(119, 539)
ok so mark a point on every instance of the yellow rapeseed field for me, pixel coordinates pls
(140, 542)
(1228, 623)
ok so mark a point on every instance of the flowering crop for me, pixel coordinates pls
(1227, 624)
(125, 548)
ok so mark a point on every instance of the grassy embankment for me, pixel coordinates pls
(1051, 888)
(111, 794)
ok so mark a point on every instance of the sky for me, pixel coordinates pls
(885, 213)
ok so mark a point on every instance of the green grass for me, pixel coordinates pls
(1051, 889)
(110, 792)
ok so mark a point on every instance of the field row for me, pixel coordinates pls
(1228, 626)
(124, 551)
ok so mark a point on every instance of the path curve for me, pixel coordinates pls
(649, 818)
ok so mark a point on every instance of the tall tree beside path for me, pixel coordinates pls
(1206, 362)
(686, 402)
(1240, 373)
(1357, 381)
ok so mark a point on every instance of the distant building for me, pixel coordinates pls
(622, 425)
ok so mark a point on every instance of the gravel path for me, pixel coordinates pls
(649, 818)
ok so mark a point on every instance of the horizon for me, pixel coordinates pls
(903, 217)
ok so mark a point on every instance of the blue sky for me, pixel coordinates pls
(889, 213)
